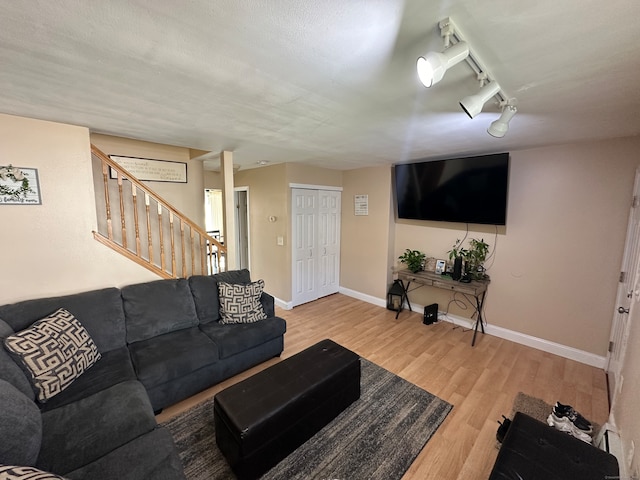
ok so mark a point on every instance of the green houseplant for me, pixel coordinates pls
(413, 259)
(473, 257)
(476, 255)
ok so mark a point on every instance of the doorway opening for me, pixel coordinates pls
(214, 220)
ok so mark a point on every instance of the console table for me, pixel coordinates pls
(476, 290)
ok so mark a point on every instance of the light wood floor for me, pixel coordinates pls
(481, 382)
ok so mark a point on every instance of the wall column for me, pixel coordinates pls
(228, 205)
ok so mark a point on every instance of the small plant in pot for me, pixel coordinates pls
(413, 259)
(473, 257)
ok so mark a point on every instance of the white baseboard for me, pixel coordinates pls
(282, 303)
(381, 302)
(517, 337)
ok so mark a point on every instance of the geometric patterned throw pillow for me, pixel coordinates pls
(11, 472)
(240, 303)
(53, 352)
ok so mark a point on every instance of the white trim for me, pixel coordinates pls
(282, 303)
(364, 297)
(571, 353)
(314, 187)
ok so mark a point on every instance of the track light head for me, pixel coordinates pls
(432, 67)
(472, 105)
(500, 127)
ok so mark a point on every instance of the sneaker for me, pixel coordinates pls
(578, 420)
(565, 425)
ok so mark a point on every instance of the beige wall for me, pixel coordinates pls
(49, 249)
(268, 197)
(554, 273)
(324, 177)
(188, 197)
(366, 240)
(212, 180)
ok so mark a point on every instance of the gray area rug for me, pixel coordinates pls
(377, 437)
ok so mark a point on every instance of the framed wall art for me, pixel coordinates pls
(19, 186)
(147, 169)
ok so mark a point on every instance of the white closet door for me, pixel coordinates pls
(315, 244)
(328, 242)
(305, 213)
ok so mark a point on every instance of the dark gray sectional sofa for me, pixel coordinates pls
(160, 342)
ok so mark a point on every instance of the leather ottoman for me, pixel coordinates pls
(532, 450)
(262, 419)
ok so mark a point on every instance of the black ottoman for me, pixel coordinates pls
(532, 450)
(264, 418)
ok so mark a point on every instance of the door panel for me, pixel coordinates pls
(628, 288)
(316, 244)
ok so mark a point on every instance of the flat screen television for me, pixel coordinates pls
(465, 190)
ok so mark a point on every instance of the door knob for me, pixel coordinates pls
(623, 310)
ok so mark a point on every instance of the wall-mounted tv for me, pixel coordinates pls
(466, 190)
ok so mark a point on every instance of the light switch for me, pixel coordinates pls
(280, 240)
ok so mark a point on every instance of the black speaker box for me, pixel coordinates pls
(430, 314)
(457, 268)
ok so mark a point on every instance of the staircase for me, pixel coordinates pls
(137, 223)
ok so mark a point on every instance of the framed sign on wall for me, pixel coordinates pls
(151, 170)
(19, 186)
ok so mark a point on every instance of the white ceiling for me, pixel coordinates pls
(325, 82)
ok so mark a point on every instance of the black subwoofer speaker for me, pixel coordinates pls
(457, 268)
(430, 314)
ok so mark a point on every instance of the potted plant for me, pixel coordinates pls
(413, 259)
(473, 257)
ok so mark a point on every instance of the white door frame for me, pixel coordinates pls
(240, 240)
(628, 291)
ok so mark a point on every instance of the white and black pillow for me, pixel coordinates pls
(16, 472)
(240, 303)
(53, 352)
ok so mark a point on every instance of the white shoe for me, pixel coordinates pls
(565, 425)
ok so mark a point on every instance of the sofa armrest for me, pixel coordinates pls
(268, 304)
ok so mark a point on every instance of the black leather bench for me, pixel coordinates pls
(532, 450)
(262, 419)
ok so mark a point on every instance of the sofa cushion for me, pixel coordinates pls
(156, 308)
(233, 276)
(20, 427)
(100, 311)
(54, 352)
(153, 456)
(170, 356)
(241, 303)
(114, 367)
(204, 289)
(18, 472)
(240, 337)
(9, 370)
(81, 432)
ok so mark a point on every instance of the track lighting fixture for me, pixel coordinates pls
(499, 127)
(472, 104)
(432, 67)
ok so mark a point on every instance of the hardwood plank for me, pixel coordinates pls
(481, 382)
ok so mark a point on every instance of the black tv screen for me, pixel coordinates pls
(466, 190)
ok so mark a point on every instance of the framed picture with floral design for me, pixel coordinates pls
(19, 186)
